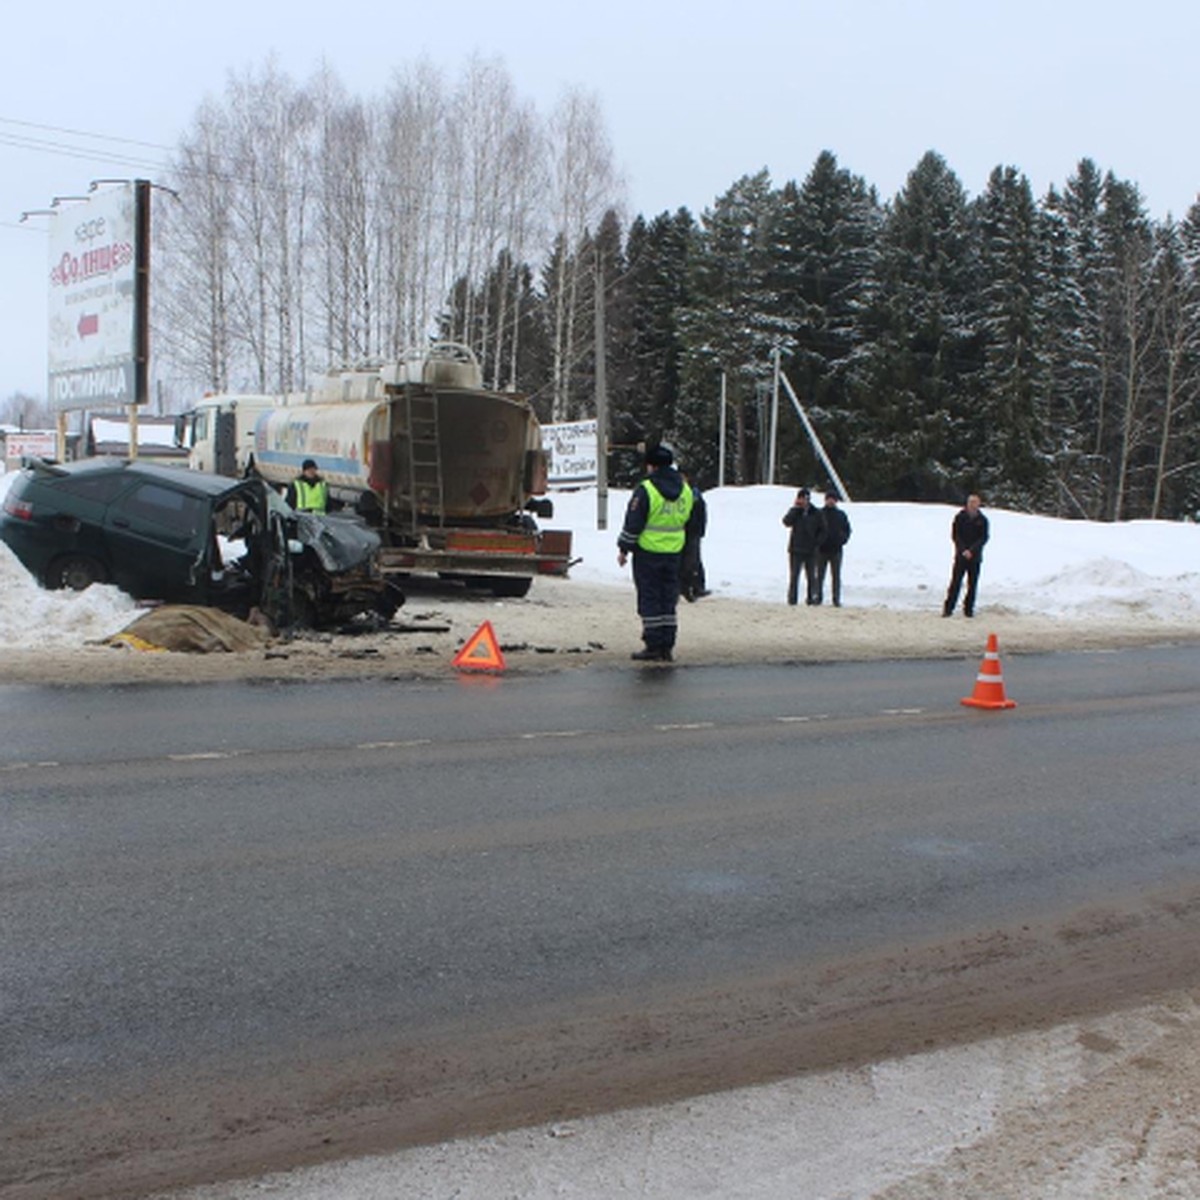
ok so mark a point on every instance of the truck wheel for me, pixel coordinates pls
(514, 586)
(75, 571)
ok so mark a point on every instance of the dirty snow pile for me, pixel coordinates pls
(898, 558)
(33, 618)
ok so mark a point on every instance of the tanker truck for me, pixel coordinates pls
(448, 472)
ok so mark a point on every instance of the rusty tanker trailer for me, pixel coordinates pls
(448, 472)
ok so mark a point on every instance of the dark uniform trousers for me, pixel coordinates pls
(656, 577)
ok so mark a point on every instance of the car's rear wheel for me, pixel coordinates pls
(75, 571)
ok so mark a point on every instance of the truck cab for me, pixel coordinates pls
(218, 433)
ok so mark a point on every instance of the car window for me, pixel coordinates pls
(98, 488)
(169, 509)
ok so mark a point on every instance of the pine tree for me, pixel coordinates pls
(646, 381)
(826, 234)
(1168, 473)
(523, 366)
(1126, 253)
(913, 387)
(1182, 478)
(1014, 380)
(730, 326)
(1081, 394)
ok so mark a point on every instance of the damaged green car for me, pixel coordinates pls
(185, 537)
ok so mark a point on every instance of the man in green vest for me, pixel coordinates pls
(308, 492)
(654, 532)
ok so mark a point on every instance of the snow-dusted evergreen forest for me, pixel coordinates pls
(1042, 350)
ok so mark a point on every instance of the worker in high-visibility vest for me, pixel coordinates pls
(308, 492)
(654, 532)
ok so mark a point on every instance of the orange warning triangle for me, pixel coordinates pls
(481, 652)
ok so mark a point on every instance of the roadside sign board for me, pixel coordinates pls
(571, 448)
(34, 444)
(97, 351)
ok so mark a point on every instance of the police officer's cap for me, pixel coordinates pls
(308, 462)
(660, 456)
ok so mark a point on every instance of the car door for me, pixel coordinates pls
(159, 539)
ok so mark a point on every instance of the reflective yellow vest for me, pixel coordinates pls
(311, 497)
(663, 533)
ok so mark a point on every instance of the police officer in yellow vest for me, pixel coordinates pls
(308, 492)
(654, 532)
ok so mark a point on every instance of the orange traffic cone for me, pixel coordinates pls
(989, 683)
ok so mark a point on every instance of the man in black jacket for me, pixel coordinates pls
(836, 535)
(692, 582)
(969, 533)
(803, 543)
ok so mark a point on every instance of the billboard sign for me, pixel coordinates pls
(40, 443)
(571, 448)
(97, 350)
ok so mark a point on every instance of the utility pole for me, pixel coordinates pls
(814, 439)
(774, 416)
(601, 402)
(721, 449)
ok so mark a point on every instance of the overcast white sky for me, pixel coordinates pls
(695, 94)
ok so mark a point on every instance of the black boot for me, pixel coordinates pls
(649, 654)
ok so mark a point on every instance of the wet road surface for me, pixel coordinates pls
(236, 916)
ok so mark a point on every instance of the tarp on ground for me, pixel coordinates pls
(190, 629)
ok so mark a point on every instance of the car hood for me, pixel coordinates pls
(341, 543)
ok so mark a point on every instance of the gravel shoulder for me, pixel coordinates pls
(566, 625)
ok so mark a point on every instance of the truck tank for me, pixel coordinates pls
(444, 468)
(487, 446)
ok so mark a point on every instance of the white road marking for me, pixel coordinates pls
(686, 725)
(552, 733)
(393, 745)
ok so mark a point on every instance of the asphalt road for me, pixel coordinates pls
(221, 883)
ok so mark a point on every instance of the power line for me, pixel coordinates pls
(100, 137)
(65, 150)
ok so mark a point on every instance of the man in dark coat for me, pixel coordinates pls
(803, 543)
(969, 532)
(692, 583)
(653, 531)
(837, 534)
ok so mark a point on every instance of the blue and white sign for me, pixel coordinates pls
(571, 448)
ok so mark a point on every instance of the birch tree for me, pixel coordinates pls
(194, 234)
(582, 185)
(416, 150)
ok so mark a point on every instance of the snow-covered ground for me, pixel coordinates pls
(1035, 1116)
(898, 557)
